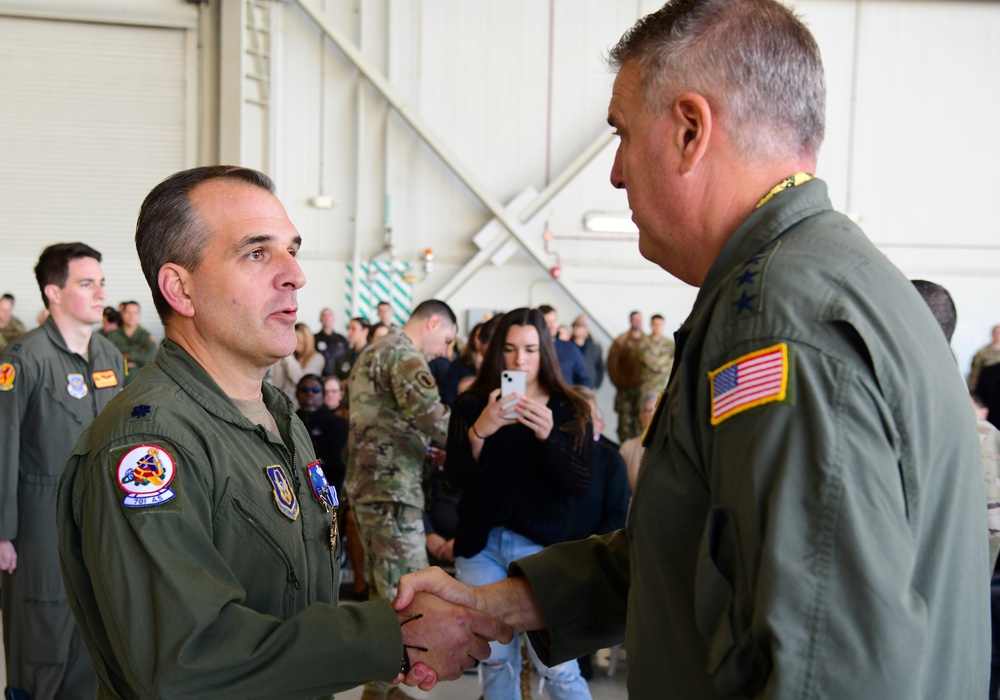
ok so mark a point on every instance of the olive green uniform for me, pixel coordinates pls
(13, 330)
(48, 393)
(826, 541)
(222, 583)
(138, 348)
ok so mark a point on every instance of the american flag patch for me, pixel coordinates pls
(758, 378)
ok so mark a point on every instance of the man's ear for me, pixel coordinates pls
(174, 282)
(433, 322)
(693, 119)
(53, 292)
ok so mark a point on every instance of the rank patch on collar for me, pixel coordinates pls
(144, 474)
(757, 378)
(77, 387)
(104, 379)
(284, 499)
(7, 374)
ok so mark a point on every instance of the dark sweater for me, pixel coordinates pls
(519, 482)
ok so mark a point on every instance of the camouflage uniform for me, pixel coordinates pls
(623, 371)
(656, 357)
(395, 413)
(986, 356)
(989, 446)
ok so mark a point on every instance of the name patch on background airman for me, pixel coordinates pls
(144, 474)
(7, 374)
(77, 387)
(104, 378)
(754, 379)
(284, 498)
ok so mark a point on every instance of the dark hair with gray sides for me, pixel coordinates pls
(754, 60)
(169, 229)
(53, 264)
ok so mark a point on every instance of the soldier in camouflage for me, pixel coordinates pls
(396, 412)
(623, 371)
(656, 357)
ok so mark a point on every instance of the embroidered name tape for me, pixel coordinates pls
(144, 474)
(757, 378)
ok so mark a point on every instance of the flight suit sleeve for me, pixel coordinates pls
(14, 396)
(417, 395)
(177, 618)
(582, 589)
(802, 576)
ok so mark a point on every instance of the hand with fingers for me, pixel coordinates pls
(536, 416)
(442, 639)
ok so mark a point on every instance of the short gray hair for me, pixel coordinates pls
(169, 229)
(754, 60)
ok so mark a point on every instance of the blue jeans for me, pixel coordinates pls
(501, 674)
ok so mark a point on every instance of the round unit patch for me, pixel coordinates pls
(145, 473)
(7, 374)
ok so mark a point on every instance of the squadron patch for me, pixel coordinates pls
(754, 379)
(77, 387)
(426, 380)
(145, 473)
(284, 498)
(7, 374)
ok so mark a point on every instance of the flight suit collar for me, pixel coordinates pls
(203, 389)
(761, 228)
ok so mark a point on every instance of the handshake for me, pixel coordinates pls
(447, 626)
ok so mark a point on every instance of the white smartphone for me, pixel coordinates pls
(512, 381)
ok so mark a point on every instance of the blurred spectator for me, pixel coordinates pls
(328, 341)
(593, 353)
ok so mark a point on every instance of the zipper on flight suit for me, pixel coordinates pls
(271, 539)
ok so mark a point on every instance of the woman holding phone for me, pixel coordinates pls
(518, 475)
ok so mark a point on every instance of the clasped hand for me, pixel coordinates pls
(446, 639)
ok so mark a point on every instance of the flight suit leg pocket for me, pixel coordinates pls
(723, 609)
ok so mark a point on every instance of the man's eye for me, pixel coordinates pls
(256, 255)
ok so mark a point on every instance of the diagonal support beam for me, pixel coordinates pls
(495, 207)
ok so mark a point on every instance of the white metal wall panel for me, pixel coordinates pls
(93, 116)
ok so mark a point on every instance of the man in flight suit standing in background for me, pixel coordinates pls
(54, 380)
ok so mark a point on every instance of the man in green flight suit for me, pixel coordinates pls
(135, 342)
(808, 518)
(197, 531)
(396, 412)
(54, 380)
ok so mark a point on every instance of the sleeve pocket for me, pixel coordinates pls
(738, 666)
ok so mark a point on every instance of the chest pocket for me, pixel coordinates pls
(260, 550)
